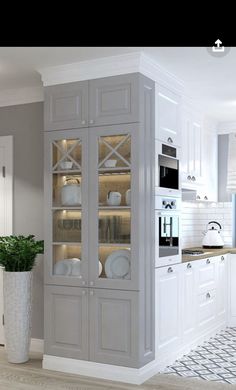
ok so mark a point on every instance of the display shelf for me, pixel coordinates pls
(74, 243)
(116, 171)
(67, 172)
(66, 208)
(106, 245)
(114, 208)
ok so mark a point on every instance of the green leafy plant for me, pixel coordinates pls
(18, 253)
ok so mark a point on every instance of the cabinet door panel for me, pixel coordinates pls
(113, 100)
(168, 116)
(113, 326)
(168, 309)
(66, 106)
(222, 288)
(66, 322)
(189, 301)
(206, 309)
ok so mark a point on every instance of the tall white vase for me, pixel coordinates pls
(17, 298)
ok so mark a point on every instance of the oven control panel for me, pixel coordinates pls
(167, 203)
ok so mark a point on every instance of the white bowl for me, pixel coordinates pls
(66, 164)
(110, 163)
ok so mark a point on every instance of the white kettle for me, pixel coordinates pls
(113, 198)
(212, 238)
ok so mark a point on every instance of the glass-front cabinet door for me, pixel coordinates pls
(112, 246)
(66, 189)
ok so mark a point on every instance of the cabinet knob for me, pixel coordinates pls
(198, 197)
(193, 178)
(91, 283)
(91, 121)
(205, 197)
(189, 177)
(222, 258)
(170, 140)
(83, 122)
(189, 265)
(91, 293)
(83, 282)
(208, 295)
(170, 270)
(208, 261)
(83, 292)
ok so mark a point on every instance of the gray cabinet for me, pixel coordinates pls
(223, 195)
(114, 100)
(114, 318)
(106, 101)
(100, 253)
(66, 316)
(66, 106)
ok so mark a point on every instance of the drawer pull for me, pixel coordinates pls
(208, 295)
(189, 265)
(208, 261)
(170, 270)
(222, 258)
(170, 140)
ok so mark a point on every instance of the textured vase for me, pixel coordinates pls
(17, 297)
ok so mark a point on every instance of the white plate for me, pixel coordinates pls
(62, 267)
(99, 268)
(117, 265)
(75, 267)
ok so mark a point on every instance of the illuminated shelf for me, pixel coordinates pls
(68, 172)
(66, 243)
(101, 244)
(66, 208)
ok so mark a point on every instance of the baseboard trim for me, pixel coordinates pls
(99, 370)
(37, 345)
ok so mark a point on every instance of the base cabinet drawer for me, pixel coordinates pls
(206, 309)
(207, 277)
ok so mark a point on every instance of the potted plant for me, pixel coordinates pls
(17, 256)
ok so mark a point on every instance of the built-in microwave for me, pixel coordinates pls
(167, 168)
(167, 230)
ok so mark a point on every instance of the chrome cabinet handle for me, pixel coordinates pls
(91, 293)
(222, 258)
(205, 197)
(170, 270)
(189, 177)
(83, 282)
(198, 197)
(83, 122)
(189, 265)
(193, 178)
(170, 140)
(91, 283)
(83, 292)
(91, 121)
(208, 295)
(208, 261)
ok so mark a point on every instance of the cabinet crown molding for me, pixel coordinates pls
(110, 66)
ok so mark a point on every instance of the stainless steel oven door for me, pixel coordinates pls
(167, 244)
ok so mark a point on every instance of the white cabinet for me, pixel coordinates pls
(168, 309)
(222, 283)
(167, 116)
(206, 310)
(189, 300)
(191, 162)
(232, 290)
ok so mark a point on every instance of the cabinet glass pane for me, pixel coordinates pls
(66, 154)
(67, 226)
(114, 206)
(66, 190)
(67, 260)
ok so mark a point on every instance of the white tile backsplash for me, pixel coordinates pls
(195, 217)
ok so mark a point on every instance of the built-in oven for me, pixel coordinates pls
(167, 230)
(167, 168)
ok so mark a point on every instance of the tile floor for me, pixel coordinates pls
(214, 360)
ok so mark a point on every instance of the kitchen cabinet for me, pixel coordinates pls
(191, 161)
(99, 245)
(168, 309)
(104, 101)
(189, 271)
(168, 126)
(66, 331)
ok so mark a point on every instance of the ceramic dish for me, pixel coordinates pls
(62, 267)
(75, 267)
(66, 164)
(117, 265)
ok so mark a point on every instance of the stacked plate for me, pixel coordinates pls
(70, 267)
(117, 265)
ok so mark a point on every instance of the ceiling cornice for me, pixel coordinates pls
(12, 97)
(226, 127)
(110, 66)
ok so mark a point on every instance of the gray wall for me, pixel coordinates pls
(25, 123)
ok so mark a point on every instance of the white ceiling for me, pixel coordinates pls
(210, 81)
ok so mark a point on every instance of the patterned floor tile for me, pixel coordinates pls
(214, 360)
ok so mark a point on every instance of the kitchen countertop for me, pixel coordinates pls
(206, 254)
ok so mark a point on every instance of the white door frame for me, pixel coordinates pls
(6, 206)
